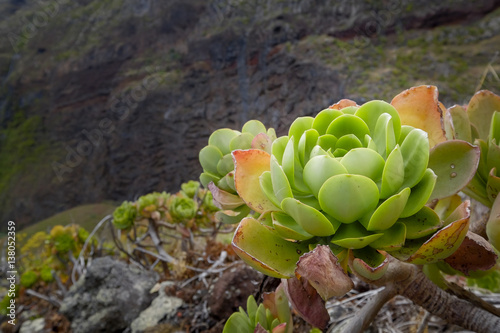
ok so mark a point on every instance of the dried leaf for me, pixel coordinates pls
(323, 271)
(475, 253)
(306, 301)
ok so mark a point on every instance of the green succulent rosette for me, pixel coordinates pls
(151, 202)
(124, 216)
(355, 175)
(46, 274)
(479, 124)
(28, 278)
(62, 239)
(218, 165)
(354, 178)
(182, 208)
(190, 189)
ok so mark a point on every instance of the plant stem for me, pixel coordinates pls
(365, 316)
(450, 308)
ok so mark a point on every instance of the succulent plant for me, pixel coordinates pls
(190, 188)
(28, 278)
(46, 274)
(182, 208)
(218, 165)
(273, 316)
(62, 239)
(479, 123)
(124, 215)
(355, 178)
(149, 203)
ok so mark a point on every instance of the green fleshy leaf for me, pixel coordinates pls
(461, 123)
(493, 224)
(209, 158)
(405, 130)
(319, 169)
(494, 135)
(253, 127)
(493, 185)
(388, 212)
(393, 174)
(371, 111)
(482, 169)
(251, 308)
(454, 163)
(287, 228)
(317, 151)
(348, 197)
(221, 139)
(266, 185)
(392, 239)
(238, 322)
(493, 159)
(310, 219)
(354, 236)
(368, 263)
(421, 224)
(415, 151)
(307, 142)
(444, 207)
(384, 136)
(480, 110)
(309, 200)
(364, 161)
(348, 142)
(298, 127)
(348, 124)
(225, 164)
(265, 251)
(324, 118)
(242, 141)
(327, 141)
(288, 162)
(206, 178)
(281, 186)
(420, 194)
(278, 148)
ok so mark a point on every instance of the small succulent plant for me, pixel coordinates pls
(124, 215)
(218, 165)
(271, 316)
(28, 278)
(182, 208)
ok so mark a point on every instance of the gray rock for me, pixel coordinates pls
(108, 297)
(162, 307)
(33, 326)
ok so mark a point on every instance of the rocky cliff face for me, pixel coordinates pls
(107, 100)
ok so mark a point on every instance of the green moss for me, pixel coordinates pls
(21, 147)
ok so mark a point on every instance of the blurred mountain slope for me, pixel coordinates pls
(107, 100)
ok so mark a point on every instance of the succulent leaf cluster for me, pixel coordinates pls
(218, 165)
(356, 178)
(191, 206)
(479, 123)
(349, 174)
(272, 316)
(45, 253)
